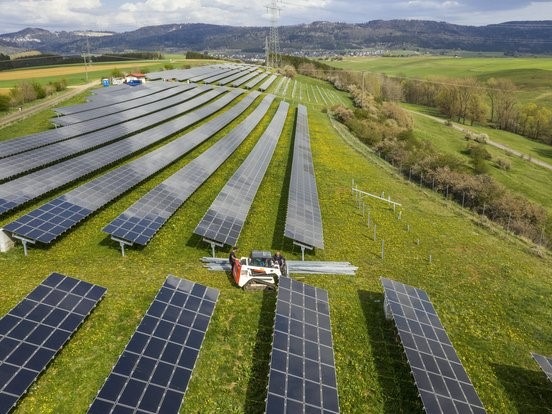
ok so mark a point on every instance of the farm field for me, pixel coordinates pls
(533, 76)
(76, 74)
(490, 289)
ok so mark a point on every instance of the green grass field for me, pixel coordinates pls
(490, 289)
(533, 76)
(524, 178)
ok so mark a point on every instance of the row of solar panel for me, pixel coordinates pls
(152, 373)
(303, 217)
(225, 218)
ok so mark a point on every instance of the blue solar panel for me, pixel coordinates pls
(225, 218)
(40, 139)
(153, 372)
(303, 218)
(126, 105)
(52, 219)
(114, 95)
(23, 189)
(440, 377)
(38, 157)
(139, 223)
(34, 331)
(302, 377)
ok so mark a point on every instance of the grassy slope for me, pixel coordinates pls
(524, 178)
(491, 294)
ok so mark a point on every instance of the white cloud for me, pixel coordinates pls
(122, 15)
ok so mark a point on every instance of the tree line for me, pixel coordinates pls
(6, 63)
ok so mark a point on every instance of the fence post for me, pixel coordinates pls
(382, 249)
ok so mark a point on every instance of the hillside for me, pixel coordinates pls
(508, 38)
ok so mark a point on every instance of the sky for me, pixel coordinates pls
(126, 15)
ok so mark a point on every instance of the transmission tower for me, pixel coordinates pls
(273, 43)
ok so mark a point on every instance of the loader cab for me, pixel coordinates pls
(261, 258)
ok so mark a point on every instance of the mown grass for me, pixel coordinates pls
(491, 292)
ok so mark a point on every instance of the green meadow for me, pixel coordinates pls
(532, 75)
(491, 289)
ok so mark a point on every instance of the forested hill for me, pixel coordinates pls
(512, 37)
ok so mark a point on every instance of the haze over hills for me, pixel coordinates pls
(524, 37)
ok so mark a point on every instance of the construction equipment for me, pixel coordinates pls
(258, 271)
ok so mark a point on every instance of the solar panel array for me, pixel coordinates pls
(139, 223)
(302, 376)
(135, 104)
(442, 382)
(113, 95)
(545, 364)
(152, 373)
(29, 142)
(23, 189)
(225, 218)
(34, 331)
(303, 218)
(29, 160)
(51, 220)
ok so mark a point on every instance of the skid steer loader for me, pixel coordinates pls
(258, 271)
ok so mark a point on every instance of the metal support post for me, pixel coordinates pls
(24, 241)
(303, 247)
(213, 245)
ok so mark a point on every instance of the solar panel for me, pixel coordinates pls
(545, 363)
(29, 160)
(302, 376)
(245, 78)
(40, 139)
(223, 74)
(303, 218)
(139, 223)
(266, 84)
(440, 377)
(135, 104)
(255, 80)
(114, 95)
(35, 330)
(23, 189)
(225, 218)
(153, 372)
(52, 219)
(240, 74)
